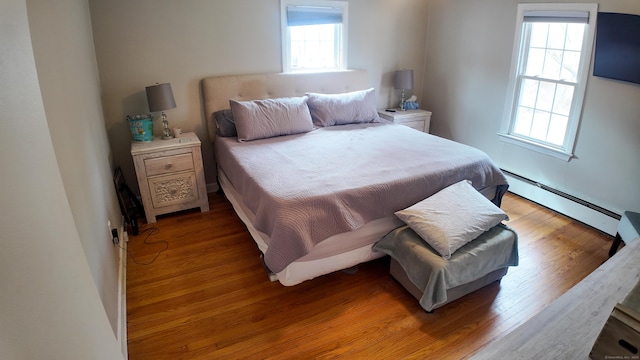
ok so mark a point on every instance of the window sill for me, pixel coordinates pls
(313, 71)
(556, 153)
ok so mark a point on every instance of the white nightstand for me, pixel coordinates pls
(417, 119)
(170, 175)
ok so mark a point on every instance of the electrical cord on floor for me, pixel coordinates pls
(152, 230)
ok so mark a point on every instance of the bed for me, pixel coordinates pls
(316, 200)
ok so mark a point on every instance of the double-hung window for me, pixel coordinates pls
(314, 34)
(549, 71)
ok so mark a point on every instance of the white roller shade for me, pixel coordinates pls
(581, 17)
(313, 15)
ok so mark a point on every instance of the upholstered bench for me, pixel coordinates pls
(436, 281)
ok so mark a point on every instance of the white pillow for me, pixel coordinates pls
(452, 217)
(341, 109)
(259, 119)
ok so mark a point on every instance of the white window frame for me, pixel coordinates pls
(286, 40)
(518, 62)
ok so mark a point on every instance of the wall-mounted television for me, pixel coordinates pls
(617, 54)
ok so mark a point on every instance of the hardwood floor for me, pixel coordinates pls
(208, 297)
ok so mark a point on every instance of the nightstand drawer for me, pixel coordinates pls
(418, 125)
(173, 189)
(168, 164)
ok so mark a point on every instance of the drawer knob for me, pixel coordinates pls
(168, 166)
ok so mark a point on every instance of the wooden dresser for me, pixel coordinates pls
(170, 175)
(569, 327)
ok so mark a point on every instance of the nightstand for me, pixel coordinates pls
(417, 119)
(170, 175)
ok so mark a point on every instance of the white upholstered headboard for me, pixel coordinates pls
(218, 90)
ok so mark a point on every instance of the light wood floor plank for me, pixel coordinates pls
(207, 296)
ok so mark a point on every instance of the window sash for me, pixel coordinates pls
(304, 65)
(296, 13)
(554, 114)
(528, 13)
(516, 118)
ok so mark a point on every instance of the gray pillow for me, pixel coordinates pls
(225, 125)
(452, 217)
(346, 108)
(259, 119)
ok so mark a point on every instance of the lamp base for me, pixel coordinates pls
(166, 135)
(402, 102)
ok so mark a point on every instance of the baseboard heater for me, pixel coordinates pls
(563, 194)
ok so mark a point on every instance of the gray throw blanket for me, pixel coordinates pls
(495, 249)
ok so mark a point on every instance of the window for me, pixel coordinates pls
(314, 34)
(549, 71)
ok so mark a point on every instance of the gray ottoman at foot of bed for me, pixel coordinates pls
(435, 281)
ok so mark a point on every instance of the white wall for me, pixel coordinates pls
(460, 52)
(70, 87)
(50, 307)
(139, 43)
(467, 68)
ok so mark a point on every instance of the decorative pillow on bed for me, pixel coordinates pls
(346, 108)
(226, 126)
(452, 217)
(259, 119)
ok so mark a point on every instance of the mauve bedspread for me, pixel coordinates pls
(304, 188)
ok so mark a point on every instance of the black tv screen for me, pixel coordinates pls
(617, 54)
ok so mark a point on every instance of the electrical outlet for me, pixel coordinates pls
(113, 233)
(114, 236)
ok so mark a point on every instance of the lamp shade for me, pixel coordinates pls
(160, 97)
(403, 79)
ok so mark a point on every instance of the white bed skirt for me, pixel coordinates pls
(327, 256)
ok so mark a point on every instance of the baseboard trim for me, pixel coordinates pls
(211, 188)
(122, 293)
(572, 209)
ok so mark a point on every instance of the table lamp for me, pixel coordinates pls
(160, 98)
(403, 80)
